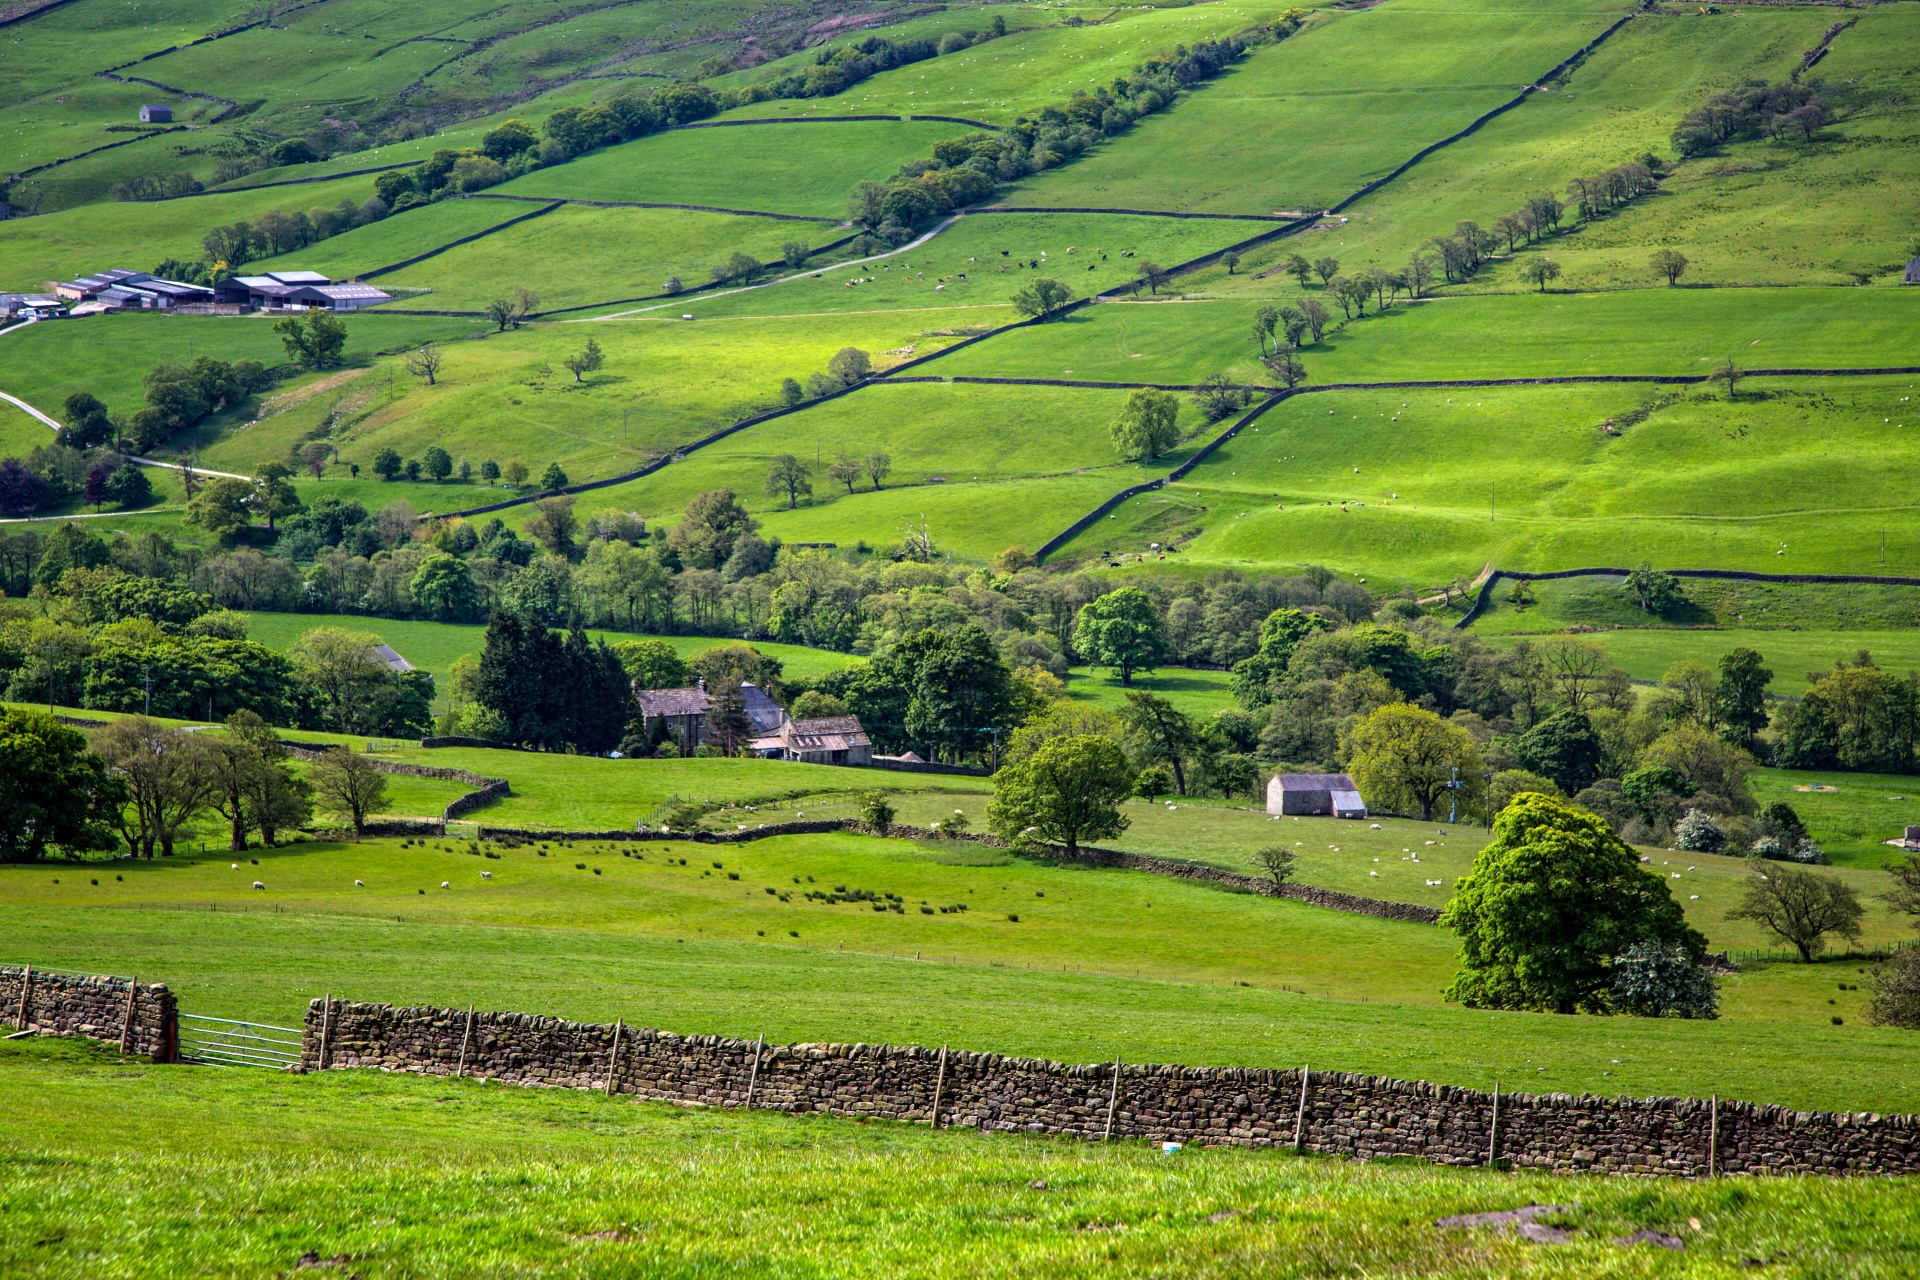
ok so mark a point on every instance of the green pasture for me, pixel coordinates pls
(577, 256)
(1790, 655)
(394, 238)
(45, 363)
(1022, 71)
(936, 433)
(1602, 602)
(75, 242)
(1525, 335)
(408, 1176)
(1304, 123)
(1850, 815)
(771, 168)
(664, 383)
(982, 260)
(1416, 487)
(1406, 860)
(20, 432)
(1621, 102)
(1124, 963)
(1774, 212)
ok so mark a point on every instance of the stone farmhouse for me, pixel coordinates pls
(685, 711)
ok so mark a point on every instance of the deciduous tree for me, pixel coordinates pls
(347, 784)
(1800, 907)
(1548, 906)
(1122, 630)
(1403, 755)
(790, 476)
(55, 793)
(1068, 791)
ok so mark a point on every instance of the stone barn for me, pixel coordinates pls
(1323, 795)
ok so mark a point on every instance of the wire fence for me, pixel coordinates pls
(1788, 955)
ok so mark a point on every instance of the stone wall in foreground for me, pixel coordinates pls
(134, 1017)
(1341, 1114)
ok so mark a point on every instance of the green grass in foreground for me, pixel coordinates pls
(1099, 962)
(242, 1173)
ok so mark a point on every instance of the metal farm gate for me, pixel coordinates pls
(223, 1042)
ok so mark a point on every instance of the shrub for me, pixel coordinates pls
(1653, 981)
(1895, 987)
(874, 809)
(1698, 832)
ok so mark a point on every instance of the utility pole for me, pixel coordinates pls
(146, 678)
(1453, 798)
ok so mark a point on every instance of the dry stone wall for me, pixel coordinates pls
(136, 1018)
(1329, 1112)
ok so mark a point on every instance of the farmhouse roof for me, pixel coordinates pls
(673, 702)
(1317, 782)
(297, 277)
(829, 733)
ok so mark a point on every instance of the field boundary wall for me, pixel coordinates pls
(1326, 1112)
(137, 1018)
(486, 790)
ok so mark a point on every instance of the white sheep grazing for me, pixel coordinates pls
(258, 885)
(359, 884)
(446, 884)
(486, 875)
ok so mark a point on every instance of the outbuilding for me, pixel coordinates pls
(1913, 271)
(1324, 795)
(827, 740)
(156, 113)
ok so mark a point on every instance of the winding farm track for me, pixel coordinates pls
(53, 424)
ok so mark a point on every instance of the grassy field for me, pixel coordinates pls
(476, 1179)
(1025, 70)
(1306, 122)
(394, 238)
(1646, 331)
(1620, 103)
(983, 259)
(770, 168)
(936, 433)
(1123, 962)
(664, 384)
(74, 242)
(46, 363)
(1815, 608)
(1424, 486)
(577, 256)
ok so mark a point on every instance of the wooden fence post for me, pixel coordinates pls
(466, 1038)
(613, 1058)
(1113, 1099)
(126, 1022)
(326, 1024)
(939, 1087)
(753, 1076)
(1493, 1129)
(26, 985)
(1300, 1120)
(1713, 1137)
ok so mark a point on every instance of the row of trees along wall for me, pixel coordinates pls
(137, 1018)
(1329, 1112)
